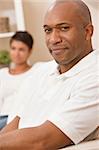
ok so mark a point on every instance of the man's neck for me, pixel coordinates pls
(65, 67)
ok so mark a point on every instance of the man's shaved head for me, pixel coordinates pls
(81, 9)
(68, 30)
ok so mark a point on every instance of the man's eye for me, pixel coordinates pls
(48, 30)
(65, 28)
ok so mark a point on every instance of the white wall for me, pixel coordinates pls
(94, 8)
(34, 11)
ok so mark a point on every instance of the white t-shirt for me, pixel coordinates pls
(70, 100)
(9, 84)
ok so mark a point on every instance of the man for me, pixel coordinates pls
(60, 100)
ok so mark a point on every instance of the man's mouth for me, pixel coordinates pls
(57, 51)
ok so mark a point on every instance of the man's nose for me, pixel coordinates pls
(55, 37)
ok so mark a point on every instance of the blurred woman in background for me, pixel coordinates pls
(12, 77)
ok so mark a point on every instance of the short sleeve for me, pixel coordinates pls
(79, 116)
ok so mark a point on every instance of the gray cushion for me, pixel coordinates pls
(3, 121)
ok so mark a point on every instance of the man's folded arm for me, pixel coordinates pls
(44, 137)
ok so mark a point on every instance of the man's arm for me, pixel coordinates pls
(44, 137)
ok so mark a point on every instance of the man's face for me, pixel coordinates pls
(65, 34)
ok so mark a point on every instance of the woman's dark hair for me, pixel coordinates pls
(24, 37)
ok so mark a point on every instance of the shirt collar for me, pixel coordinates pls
(83, 64)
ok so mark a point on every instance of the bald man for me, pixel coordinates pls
(62, 108)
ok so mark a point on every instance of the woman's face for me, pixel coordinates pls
(19, 52)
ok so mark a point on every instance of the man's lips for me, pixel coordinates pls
(57, 51)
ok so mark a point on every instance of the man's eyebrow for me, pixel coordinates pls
(59, 24)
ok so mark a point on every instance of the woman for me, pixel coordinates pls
(12, 77)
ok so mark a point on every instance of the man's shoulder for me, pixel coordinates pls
(45, 65)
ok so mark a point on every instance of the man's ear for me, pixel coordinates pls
(89, 31)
